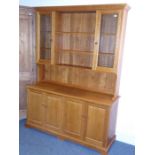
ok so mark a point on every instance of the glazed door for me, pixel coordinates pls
(53, 112)
(107, 40)
(35, 107)
(44, 37)
(95, 125)
(73, 118)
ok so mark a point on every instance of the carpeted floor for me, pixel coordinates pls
(34, 142)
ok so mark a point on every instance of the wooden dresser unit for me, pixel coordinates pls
(79, 53)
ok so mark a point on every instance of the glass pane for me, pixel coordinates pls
(45, 54)
(45, 36)
(107, 40)
(106, 60)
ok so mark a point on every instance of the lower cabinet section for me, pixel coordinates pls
(81, 121)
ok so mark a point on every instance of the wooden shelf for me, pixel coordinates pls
(83, 33)
(44, 48)
(106, 53)
(114, 34)
(69, 65)
(76, 51)
(45, 31)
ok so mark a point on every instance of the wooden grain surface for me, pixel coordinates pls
(98, 98)
(27, 67)
(77, 88)
(103, 82)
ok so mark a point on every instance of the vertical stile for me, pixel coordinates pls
(37, 36)
(117, 48)
(53, 37)
(96, 40)
(122, 21)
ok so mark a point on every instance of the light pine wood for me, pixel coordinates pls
(76, 95)
(102, 82)
(35, 110)
(95, 125)
(73, 112)
(96, 43)
(53, 112)
(78, 115)
(120, 47)
(75, 37)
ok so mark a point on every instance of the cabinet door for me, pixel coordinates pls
(44, 32)
(73, 122)
(35, 108)
(107, 40)
(95, 125)
(53, 113)
(27, 72)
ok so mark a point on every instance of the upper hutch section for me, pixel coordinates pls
(83, 37)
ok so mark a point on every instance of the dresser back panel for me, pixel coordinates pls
(79, 77)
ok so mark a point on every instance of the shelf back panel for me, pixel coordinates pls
(79, 77)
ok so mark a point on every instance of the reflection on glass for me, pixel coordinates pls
(107, 40)
(45, 35)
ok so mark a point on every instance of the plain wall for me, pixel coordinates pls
(132, 84)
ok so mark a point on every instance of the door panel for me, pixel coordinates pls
(27, 73)
(35, 107)
(53, 115)
(95, 125)
(107, 40)
(73, 123)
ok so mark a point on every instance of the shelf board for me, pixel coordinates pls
(78, 66)
(83, 33)
(44, 48)
(109, 34)
(106, 53)
(45, 31)
(75, 51)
